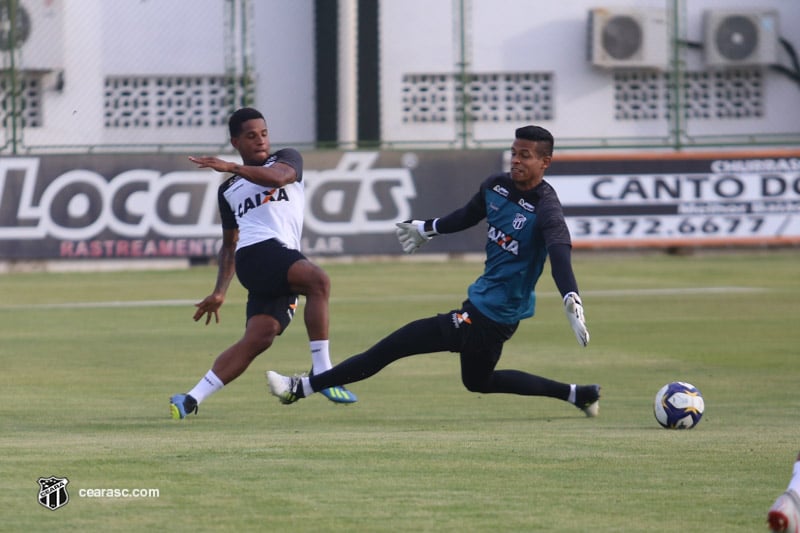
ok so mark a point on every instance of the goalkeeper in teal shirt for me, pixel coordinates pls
(525, 226)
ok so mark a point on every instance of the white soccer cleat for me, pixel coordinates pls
(591, 410)
(284, 387)
(784, 515)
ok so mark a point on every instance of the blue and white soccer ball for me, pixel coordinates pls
(679, 405)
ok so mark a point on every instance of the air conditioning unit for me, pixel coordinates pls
(740, 37)
(628, 38)
(38, 42)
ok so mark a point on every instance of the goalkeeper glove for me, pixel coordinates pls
(573, 307)
(412, 234)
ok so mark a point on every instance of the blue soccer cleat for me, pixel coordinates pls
(337, 393)
(181, 405)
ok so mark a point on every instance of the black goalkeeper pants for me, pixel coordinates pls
(477, 339)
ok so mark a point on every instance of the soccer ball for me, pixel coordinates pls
(679, 405)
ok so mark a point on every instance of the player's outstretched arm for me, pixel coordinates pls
(276, 175)
(414, 233)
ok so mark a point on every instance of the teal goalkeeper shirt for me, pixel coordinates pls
(521, 226)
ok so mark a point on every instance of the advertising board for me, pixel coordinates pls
(160, 206)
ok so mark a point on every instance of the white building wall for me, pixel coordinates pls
(283, 55)
(539, 44)
(416, 36)
(520, 36)
(782, 96)
(182, 37)
(73, 112)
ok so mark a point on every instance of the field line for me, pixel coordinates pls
(406, 298)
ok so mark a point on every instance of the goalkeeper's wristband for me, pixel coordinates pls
(427, 228)
(573, 294)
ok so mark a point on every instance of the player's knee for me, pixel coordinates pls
(259, 342)
(309, 279)
(478, 384)
(260, 334)
(320, 283)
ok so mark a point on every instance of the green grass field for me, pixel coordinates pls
(89, 361)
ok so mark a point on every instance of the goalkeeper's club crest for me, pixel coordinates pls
(519, 221)
(53, 492)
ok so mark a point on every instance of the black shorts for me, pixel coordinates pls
(469, 332)
(262, 269)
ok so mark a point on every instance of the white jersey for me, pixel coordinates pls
(262, 213)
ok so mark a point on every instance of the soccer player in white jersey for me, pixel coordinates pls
(261, 207)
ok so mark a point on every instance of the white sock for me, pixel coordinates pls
(206, 386)
(307, 390)
(320, 356)
(571, 398)
(794, 484)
